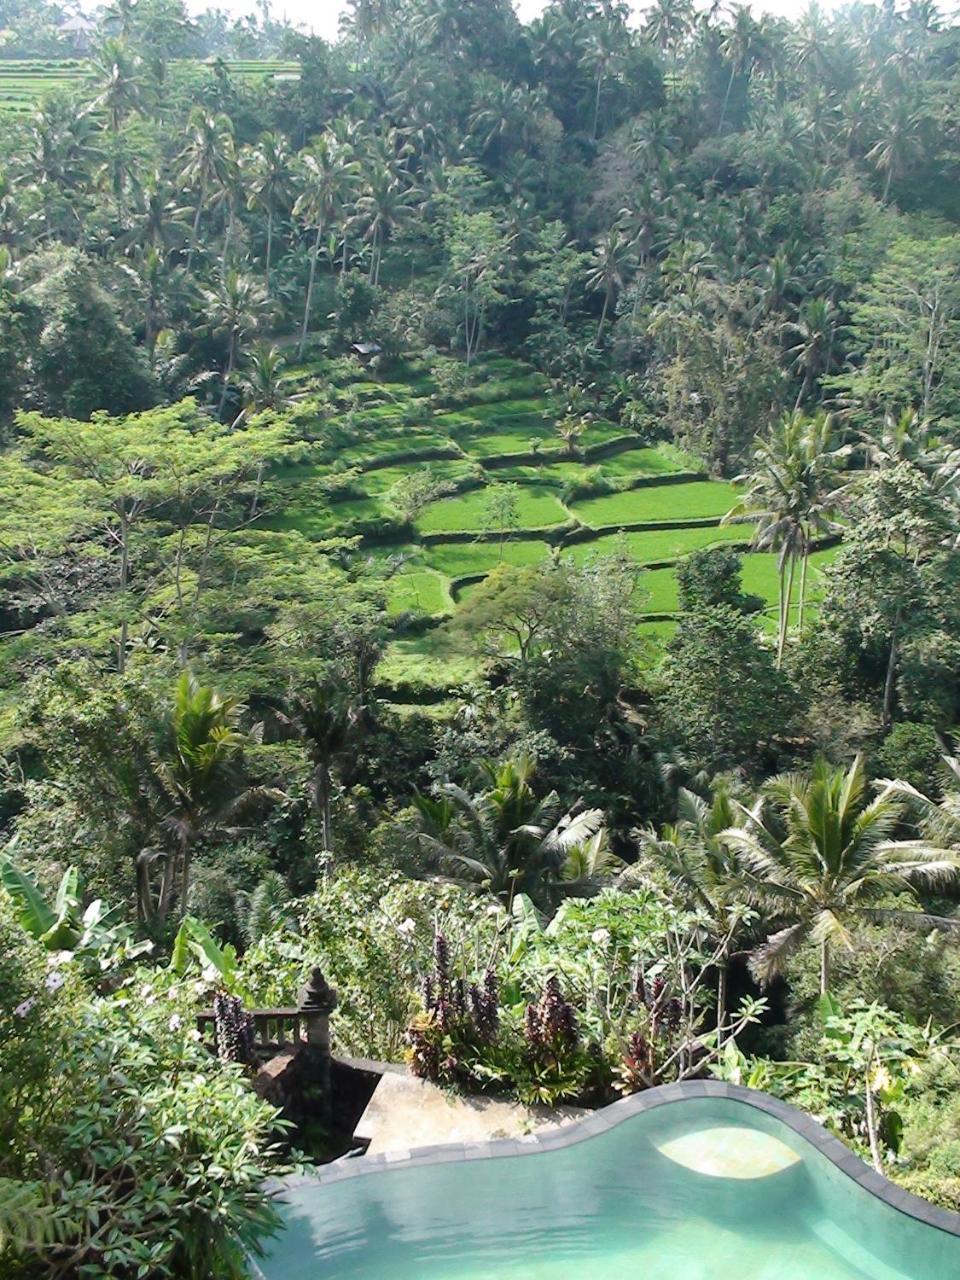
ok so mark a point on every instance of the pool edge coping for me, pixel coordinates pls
(606, 1118)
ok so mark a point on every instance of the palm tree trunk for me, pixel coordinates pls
(231, 359)
(325, 806)
(871, 1112)
(145, 908)
(824, 968)
(255, 502)
(801, 394)
(269, 248)
(726, 98)
(786, 603)
(196, 224)
(803, 588)
(723, 976)
(890, 683)
(309, 302)
(124, 581)
(227, 236)
(596, 104)
(603, 313)
(167, 882)
(185, 880)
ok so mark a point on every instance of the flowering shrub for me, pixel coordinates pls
(459, 1023)
(553, 1065)
(149, 1153)
(372, 935)
(460, 1038)
(234, 1030)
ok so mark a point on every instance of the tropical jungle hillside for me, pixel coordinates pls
(480, 514)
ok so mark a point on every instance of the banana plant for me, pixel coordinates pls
(64, 924)
(194, 941)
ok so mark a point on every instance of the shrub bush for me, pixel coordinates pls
(371, 933)
(150, 1153)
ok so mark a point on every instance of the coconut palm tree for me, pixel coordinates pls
(327, 178)
(327, 722)
(738, 45)
(262, 388)
(117, 71)
(153, 220)
(939, 819)
(613, 257)
(704, 872)
(504, 837)
(200, 782)
(387, 202)
(813, 334)
(899, 140)
(792, 491)
(268, 178)
(818, 853)
(206, 162)
(235, 308)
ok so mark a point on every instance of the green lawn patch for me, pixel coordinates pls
(647, 461)
(659, 633)
(365, 452)
(651, 546)
(418, 591)
(322, 519)
(554, 474)
(382, 479)
(696, 500)
(507, 410)
(461, 559)
(600, 431)
(495, 444)
(761, 576)
(538, 508)
(426, 664)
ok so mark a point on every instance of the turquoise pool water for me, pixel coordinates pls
(612, 1207)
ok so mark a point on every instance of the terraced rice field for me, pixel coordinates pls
(25, 83)
(537, 508)
(649, 501)
(697, 500)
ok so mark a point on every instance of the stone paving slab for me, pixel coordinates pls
(406, 1113)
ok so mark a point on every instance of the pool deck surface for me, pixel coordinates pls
(405, 1112)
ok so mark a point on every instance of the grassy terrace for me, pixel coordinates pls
(427, 569)
(698, 500)
(24, 83)
(538, 508)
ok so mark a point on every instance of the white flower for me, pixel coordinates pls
(54, 981)
(600, 936)
(193, 1034)
(176, 1022)
(407, 926)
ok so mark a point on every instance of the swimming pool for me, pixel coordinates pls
(696, 1182)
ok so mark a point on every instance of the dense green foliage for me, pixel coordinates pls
(479, 512)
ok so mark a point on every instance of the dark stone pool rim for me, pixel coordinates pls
(609, 1117)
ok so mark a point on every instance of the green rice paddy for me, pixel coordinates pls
(24, 83)
(537, 508)
(697, 500)
(426, 579)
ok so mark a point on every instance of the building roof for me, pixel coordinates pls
(367, 348)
